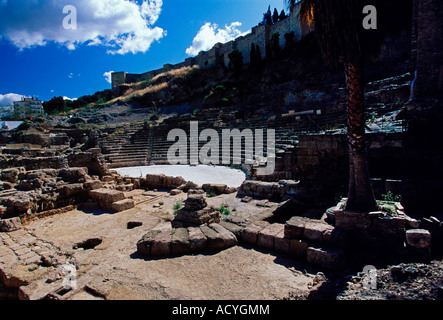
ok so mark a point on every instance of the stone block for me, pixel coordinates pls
(187, 218)
(418, 238)
(295, 227)
(9, 225)
(282, 244)
(195, 202)
(123, 205)
(266, 237)
(250, 233)
(234, 228)
(390, 226)
(108, 179)
(74, 175)
(216, 188)
(73, 189)
(161, 244)
(175, 192)
(228, 237)
(214, 240)
(336, 237)
(314, 231)
(349, 220)
(10, 175)
(180, 241)
(107, 195)
(92, 185)
(197, 239)
(327, 258)
(144, 245)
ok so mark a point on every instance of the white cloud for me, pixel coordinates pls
(71, 75)
(108, 76)
(70, 99)
(9, 98)
(122, 25)
(210, 34)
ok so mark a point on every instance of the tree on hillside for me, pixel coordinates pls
(253, 55)
(55, 105)
(236, 59)
(275, 16)
(275, 44)
(267, 17)
(338, 26)
(283, 15)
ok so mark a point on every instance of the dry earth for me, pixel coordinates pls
(114, 270)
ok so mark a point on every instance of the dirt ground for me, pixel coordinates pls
(114, 270)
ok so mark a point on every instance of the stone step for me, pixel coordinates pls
(165, 241)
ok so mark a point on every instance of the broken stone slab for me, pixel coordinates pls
(418, 238)
(92, 185)
(197, 239)
(196, 191)
(216, 188)
(246, 199)
(108, 179)
(180, 241)
(327, 258)
(232, 227)
(228, 237)
(9, 225)
(175, 192)
(266, 236)
(195, 202)
(215, 240)
(123, 205)
(262, 203)
(161, 181)
(189, 185)
(107, 195)
(10, 175)
(74, 175)
(242, 222)
(188, 218)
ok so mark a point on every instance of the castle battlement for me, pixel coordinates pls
(260, 35)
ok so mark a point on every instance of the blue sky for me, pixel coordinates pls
(38, 57)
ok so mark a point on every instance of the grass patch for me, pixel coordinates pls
(224, 210)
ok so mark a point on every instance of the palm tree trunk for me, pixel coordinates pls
(360, 194)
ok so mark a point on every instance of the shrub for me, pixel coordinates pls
(224, 210)
(178, 205)
(211, 194)
(390, 197)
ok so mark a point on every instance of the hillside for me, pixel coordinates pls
(295, 78)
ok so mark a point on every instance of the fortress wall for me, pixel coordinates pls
(260, 35)
(243, 44)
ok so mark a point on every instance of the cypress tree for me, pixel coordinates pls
(253, 55)
(275, 16)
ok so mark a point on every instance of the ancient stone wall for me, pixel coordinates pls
(259, 35)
